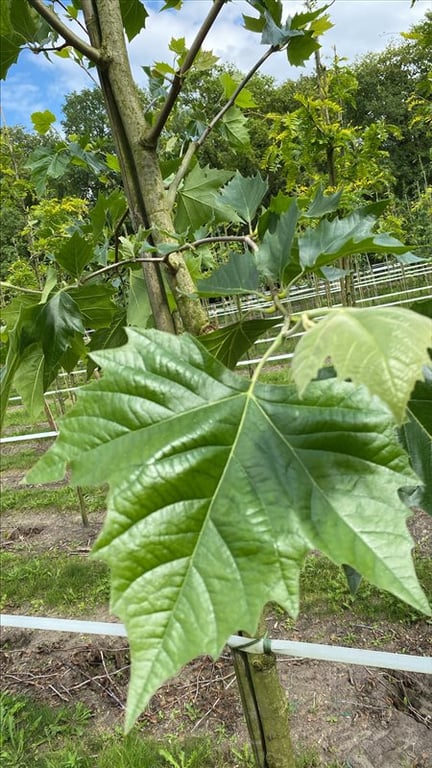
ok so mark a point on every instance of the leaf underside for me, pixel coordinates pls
(384, 348)
(218, 489)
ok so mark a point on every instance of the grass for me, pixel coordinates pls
(53, 580)
(37, 735)
(324, 591)
(18, 460)
(43, 737)
(58, 499)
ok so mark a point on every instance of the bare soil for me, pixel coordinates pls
(363, 717)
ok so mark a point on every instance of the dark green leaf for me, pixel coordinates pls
(134, 17)
(57, 323)
(244, 195)
(95, 303)
(416, 437)
(277, 257)
(230, 343)
(322, 204)
(239, 276)
(108, 338)
(75, 254)
(331, 240)
(219, 486)
(300, 49)
(353, 579)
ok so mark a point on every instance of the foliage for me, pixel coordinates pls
(316, 140)
(203, 441)
(219, 484)
(387, 86)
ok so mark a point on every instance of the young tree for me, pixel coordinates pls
(220, 485)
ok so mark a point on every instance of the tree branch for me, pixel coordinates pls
(195, 145)
(114, 265)
(152, 137)
(224, 239)
(93, 54)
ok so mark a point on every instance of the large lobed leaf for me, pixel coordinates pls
(384, 348)
(219, 487)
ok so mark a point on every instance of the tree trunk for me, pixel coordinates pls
(265, 707)
(140, 168)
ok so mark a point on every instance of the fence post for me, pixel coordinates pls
(265, 708)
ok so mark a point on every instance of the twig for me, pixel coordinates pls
(153, 135)
(93, 54)
(195, 145)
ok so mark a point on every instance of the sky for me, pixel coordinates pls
(360, 26)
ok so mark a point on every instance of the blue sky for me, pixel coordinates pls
(34, 84)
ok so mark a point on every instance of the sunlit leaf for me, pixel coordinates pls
(384, 348)
(42, 121)
(219, 487)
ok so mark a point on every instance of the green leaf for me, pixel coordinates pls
(198, 200)
(331, 240)
(95, 303)
(42, 121)
(244, 100)
(277, 34)
(108, 338)
(353, 579)
(18, 25)
(57, 323)
(384, 348)
(416, 437)
(50, 283)
(45, 163)
(244, 195)
(134, 17)
(300, 49)
(74, 254)
(107, 212)
(322, 204)
(230, 343)
(238, 277)
(23, 18)
(29, 379)
(277, 256)
(139, 311)
(218, 489)
(233, 128)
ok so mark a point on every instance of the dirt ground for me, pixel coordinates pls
(363, 717)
